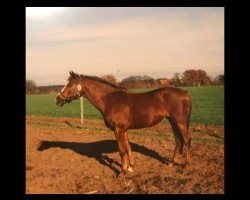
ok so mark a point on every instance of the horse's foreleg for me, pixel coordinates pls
(128, 151)
(121, 140)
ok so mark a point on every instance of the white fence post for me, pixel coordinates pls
(81, 104)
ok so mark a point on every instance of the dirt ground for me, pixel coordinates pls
(64, 159)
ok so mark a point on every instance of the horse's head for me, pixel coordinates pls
(71, 91)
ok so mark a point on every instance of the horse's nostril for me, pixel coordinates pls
(58, 100)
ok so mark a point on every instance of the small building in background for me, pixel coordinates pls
(164, 81)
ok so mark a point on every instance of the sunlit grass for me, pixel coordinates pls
(207, 106)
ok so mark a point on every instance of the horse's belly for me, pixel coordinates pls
(144, 122)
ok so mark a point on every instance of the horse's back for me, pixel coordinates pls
(164, 95)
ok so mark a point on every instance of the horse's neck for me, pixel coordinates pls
(96, 92)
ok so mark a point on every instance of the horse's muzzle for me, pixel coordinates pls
(60, 101)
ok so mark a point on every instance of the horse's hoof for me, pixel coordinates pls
(130, 169)
(121, 175)
(171, 164)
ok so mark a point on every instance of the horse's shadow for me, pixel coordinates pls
(96, 150)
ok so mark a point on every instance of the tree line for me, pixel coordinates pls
(189, 77)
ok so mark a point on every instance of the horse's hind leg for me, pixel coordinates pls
(128, 151)
(187, 140)
(179, 142)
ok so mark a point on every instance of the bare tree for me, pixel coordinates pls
(110, 78)
(30, 87)
(220, 78)
(177, 77)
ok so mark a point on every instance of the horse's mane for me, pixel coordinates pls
(75, 77)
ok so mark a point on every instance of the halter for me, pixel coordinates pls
(78, 93)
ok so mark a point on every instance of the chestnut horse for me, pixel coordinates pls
(122, 110)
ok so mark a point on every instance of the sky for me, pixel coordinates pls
(122, 41)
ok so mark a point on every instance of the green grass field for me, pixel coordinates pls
(207, 106)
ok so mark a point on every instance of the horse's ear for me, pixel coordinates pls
(72, 73)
